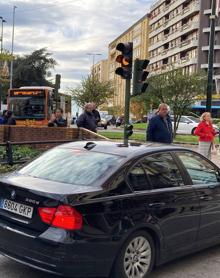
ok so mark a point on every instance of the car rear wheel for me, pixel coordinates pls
(136, 257)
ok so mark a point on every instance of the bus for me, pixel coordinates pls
(33, 105)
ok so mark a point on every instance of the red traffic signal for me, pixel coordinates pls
(125, 59)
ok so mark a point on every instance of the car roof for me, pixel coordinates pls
(117, 148)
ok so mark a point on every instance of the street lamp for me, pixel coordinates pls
(12, 47)
(3, 21)
(93, 57)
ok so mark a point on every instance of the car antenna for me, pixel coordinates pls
(89, 146)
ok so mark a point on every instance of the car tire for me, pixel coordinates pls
(136, 257)
(193, 130)
(105, 127)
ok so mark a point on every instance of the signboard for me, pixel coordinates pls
(23, 93)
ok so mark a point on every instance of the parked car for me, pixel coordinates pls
(103, 123)
(98, 209)
(188, 124)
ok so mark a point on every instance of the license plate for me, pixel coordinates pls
(17, 208)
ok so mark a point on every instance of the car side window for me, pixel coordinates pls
(137, 178)
(199, 169)
(162, 171)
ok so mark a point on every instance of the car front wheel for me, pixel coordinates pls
(136, 257)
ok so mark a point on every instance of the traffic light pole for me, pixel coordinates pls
(127, 108)
(211, 58)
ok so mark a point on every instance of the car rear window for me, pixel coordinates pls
(72, 166)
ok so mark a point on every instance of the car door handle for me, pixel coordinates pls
(156, 205)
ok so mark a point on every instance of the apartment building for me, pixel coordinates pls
(179, 36)
(101, 70)
(138, 34)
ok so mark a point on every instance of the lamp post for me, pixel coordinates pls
(2, 22)
(93, 58)
(12, 47)
(211, 58)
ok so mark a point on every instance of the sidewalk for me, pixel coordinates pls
(215, 158)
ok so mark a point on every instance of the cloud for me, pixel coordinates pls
(69, 30)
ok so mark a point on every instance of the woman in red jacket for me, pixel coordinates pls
(206, 134)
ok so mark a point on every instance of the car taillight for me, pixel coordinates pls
(65, 217)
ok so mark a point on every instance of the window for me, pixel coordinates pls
(80, 167)
(137, 178)
(162, 171)
(200, 170)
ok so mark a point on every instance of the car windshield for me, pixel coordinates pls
(27, 107)
(72, 166)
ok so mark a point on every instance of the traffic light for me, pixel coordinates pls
(139, 76)
(125, 59)
(128, 130)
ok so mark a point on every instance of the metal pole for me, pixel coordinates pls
(211, 58)
(1, 35)
(12, 47)
(127, 108)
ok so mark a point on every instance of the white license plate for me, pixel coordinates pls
(17, 208)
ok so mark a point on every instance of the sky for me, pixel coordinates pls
(69, 29)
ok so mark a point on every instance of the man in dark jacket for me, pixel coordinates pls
(8, 118)
(160, 126)
(87, 118)
(96, 113)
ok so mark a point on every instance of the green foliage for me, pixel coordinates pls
(19, 153)
(92, 90)
(178, 90)
(33, 69)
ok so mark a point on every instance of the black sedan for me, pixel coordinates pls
(98, 209)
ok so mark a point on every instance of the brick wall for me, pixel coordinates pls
(29, 133)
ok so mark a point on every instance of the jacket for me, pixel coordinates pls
(87, 120)
(205, 132)
(160, 131)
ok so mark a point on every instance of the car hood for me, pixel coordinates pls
(51, 189)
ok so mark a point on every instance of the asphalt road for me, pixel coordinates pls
(205, 264)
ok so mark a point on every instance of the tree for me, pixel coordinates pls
(92, 90)
(33, 69)
(5, 58)
(178, 90)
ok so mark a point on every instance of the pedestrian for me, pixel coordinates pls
(8, 118)
(96, 113)
(87, 118)
(206, 134)
(57, 119)
(160, 126)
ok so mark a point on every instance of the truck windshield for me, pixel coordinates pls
(28, 107)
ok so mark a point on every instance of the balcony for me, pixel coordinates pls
(207, 29)
(178, 33)
(182, 46)
(215, 65)
(193, 9)
(206, 48)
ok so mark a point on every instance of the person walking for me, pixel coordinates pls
(206, 134)
(160, 126)
(96, 113)
(87, 119)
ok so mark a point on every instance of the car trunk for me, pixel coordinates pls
(22, 196)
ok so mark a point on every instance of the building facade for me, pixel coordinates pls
(179, 36)
(101, 70)
(138, 34)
